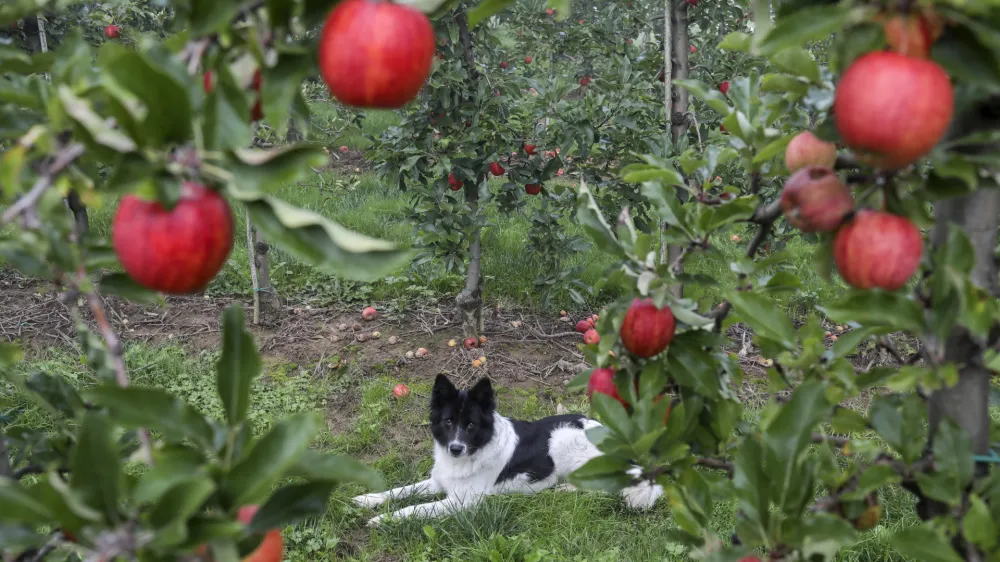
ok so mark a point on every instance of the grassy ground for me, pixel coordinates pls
(393, 437)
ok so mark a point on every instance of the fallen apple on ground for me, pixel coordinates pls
(400, 391)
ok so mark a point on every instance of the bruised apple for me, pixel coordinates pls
(176, 251)
(877, 250)
(375, 54)
(815, 200)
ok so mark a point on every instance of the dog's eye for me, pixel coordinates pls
(447, 422)
(470, 427)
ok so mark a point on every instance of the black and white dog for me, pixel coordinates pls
(478, 452)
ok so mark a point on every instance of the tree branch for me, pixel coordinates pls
(25, 206)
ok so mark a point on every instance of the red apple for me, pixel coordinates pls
(723, 129)
(581, 21)
(815, 200)
(533, 188)
(582, 326)
(647, 330)
(471, 343)
(692, 2)
(892, 109)
(375, 54)
(694, 49)
(750, 559)
(400, 391)
(496, 169)
(208, 81)
(603, 382)
(549, 11)
(504, 65)
(877, 249)
(724, 87)
(559, 172)
(527, 60)
(529, 149)
(454, 183)
(112, 32)
(628, 41)
(591, 337)
(369, 314)
(585, 80)
(344, 149)
(911, 34)
(177, 251)
(271, 549)
(807, 149)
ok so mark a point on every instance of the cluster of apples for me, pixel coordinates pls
(471, 343)
(886, 130)
(646, 331)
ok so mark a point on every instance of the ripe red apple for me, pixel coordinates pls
(177, 251)
(877, 249)
(723, 129)
(724, 87)
(368, 69)
(647, 330)
(892, 109)
(529, 149)
(256, 83)
(471, 343)
(454, 183)
(533, 188)
(496, 169)
(694, 49)
(400, 391)
(559, 172)
(271, 549)
(591, 337)
(504, 65)
(208, 81)
(582, 326)
(344, 149)
(911, 34)
(112, 32)
(807, 149)
(585, 80)
(815, 200)
(369, 314)
(527, 60)
(603, 382)
(750, 559)
(692, 2)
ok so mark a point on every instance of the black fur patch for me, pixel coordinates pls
(531, 456)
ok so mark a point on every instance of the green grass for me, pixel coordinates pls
(393, 437)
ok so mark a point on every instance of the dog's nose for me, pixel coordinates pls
(456, 449)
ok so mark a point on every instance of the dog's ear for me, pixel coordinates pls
(482, 394)
(443, 391)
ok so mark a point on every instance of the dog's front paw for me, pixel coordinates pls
(375, 521)
(369, 500)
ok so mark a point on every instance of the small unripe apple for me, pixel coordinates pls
(582, 326)
(177, 251)
(112, 32)
(400, 391)
(376, 335)
(877, 249)
(527, 60)
(591, 337)
(815, 200)
(532, 188)
(344, 149)
(504, 65)
(496, 169)
(603, 382)
(452, 343)
(892, 109)
(470, 343)
(369, 314)
(724, 87)
(367, 69)
(807, 149)
(647, 330)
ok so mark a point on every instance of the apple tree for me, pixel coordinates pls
(160, 127)
(907, 215)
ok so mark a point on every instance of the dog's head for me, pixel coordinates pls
(462, 420)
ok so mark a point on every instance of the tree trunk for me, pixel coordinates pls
(266, 301)
(470, 300)
(967, 403)
(676, 43)
(5, 470)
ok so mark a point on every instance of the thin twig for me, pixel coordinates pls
(26, 204)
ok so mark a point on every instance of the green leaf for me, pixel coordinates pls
(805, 25)
(953, 456)
(638, 173)
(134, 407)
(739, 209)
(57, 393)
(176, 506)
(214, 16)
(847, 342)
(101, 131)
(613, 414)
(592, 220)
(321, 242)
(961, 52)
(978, 525)
(877, 308)
(797, 61)
(315, 465)
(121, 285)
(172, 465)
(787, 436)
(482, 11)
(900, 423)
(20, 505)
(10, 354)
(924, 543)
(604, 473)
(712, 97)
(277, 451)
(291, 504)
(736, 41)
(825, 535)
(238, 366)
(94, 466)
(766, 319)
(261, 170)
(772, 149)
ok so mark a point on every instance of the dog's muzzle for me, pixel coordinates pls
(456, 449)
